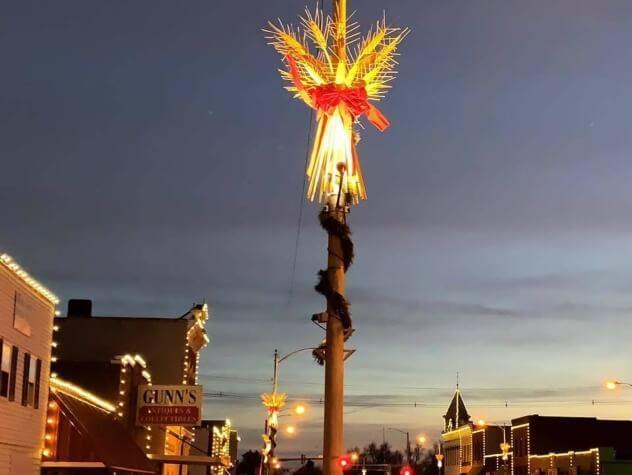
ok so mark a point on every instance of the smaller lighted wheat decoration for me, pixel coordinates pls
(339, 83)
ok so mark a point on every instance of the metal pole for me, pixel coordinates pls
(275, 373)
(408, 455)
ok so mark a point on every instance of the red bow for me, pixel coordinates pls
(327, 97)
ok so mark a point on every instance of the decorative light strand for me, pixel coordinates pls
(80, 393)
(14, 267)
(51, 431)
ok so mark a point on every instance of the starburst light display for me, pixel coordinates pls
(339, 74)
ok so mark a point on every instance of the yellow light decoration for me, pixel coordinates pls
(80, 393)
(274, 401)
(14, 267)
(339, 83)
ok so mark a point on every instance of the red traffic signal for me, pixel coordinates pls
(406, 470)
(344, 462)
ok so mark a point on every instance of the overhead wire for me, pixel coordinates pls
(302, 201)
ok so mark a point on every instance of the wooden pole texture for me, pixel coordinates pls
(333, 440)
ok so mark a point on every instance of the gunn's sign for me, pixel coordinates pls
(169, 405)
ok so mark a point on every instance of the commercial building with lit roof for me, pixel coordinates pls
(93, 351)
(534, 445)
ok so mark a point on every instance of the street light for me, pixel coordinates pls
(290, 430)
(421, 440)
(612, 385)
(407, 434)
(274, 402)
(504, 446)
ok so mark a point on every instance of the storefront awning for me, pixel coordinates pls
(111, 443)
(187, 459)
(84, 465)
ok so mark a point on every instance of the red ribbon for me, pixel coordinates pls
(327, 97)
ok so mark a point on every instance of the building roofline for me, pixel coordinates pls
(532, 417)
(10, 264)
(130, 318)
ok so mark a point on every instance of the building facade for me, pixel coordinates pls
(570, 442)
(535, 445)
(456, 437)
(93, 352)
(217, 438)
(26, 327)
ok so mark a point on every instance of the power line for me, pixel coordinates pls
(353, 402)
(300, 209)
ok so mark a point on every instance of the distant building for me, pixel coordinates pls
(456, 437)
(91, 351)
(217, 438)
(26, 327)
(570, 445)
(534, 445)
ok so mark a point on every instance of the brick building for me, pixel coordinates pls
(563, 442)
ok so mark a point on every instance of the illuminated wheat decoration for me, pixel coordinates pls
(340, 87)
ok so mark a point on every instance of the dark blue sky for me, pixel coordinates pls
(150, 158)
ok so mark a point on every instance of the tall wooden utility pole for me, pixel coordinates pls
(340, 89)
(333, 440)
(333, 436)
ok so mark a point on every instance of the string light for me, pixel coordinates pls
(14, 267)
(80, 393)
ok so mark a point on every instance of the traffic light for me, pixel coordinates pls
(344, 462)
(406, 470)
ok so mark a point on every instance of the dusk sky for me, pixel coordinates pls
(150, 158)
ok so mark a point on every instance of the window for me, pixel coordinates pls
(29, 380)
(5, 368)
(30, 397)
(25, 379)
(38, 374)
(13, 372)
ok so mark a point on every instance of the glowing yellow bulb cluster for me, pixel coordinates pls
(339, 83)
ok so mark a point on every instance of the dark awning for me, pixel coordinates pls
(112, 444)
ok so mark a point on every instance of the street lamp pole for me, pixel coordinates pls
(504, 447)
(278, 360)
(407, 434)
(274, 402)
